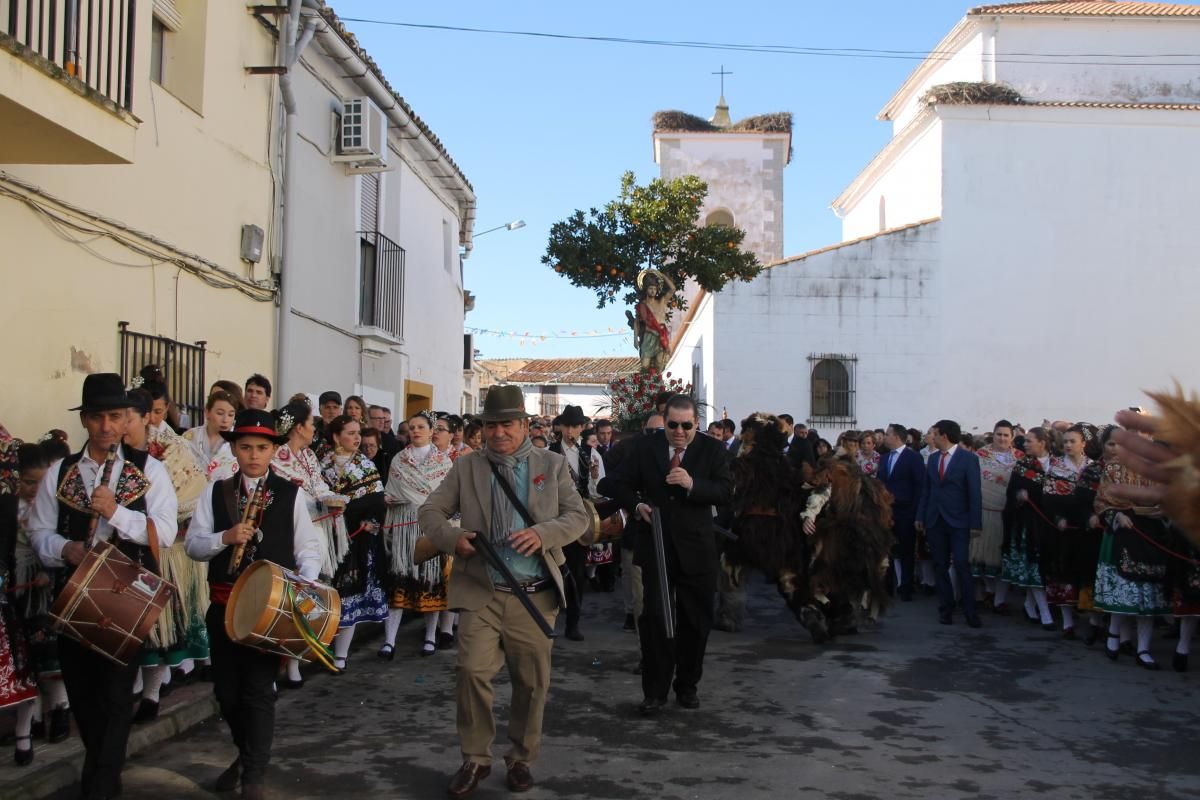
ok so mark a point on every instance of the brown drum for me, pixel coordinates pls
(110, 603)
(602, 529)
(260, 612)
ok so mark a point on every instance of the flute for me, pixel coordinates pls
(251, 512)
(110, 458)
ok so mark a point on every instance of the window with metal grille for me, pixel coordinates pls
(381, 283)
(549, 404)
(832, 388)
(181, 364)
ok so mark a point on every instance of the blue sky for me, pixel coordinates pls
(542, 127)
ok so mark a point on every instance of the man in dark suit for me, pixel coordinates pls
(798, 449)
(684, 476)
(949, 511)
(903, 473)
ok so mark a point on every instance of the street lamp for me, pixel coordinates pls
(511, 226)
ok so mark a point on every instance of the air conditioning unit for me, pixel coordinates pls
(362, 139)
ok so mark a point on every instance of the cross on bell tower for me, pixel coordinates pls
(721, 117)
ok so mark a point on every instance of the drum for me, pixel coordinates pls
(601, 528)
(110, 603)
(275, 610)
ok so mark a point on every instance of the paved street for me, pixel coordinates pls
(913, 710)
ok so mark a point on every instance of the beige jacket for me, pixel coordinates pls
(557, 510)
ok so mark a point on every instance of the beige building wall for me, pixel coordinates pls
(200, 170)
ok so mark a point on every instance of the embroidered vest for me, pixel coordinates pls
(579, 472)
(276, 543)
(74, 503)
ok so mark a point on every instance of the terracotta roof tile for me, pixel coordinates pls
(575, 370)
(1131, 106)
(1092, 8)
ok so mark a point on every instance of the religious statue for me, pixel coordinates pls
(650, 332)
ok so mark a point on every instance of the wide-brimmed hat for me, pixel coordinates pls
(254, 422)
(103, 391)
(504, 403)
(572, 415)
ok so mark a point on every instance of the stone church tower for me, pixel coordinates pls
(741, 162)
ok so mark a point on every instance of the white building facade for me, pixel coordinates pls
(1027, 261)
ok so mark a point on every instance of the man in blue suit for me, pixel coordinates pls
(950, 509)
(903, 473)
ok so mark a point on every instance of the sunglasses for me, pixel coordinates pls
(687, 426)
(651, 430)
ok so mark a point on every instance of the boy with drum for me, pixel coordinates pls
(252, 516)
(105, 492)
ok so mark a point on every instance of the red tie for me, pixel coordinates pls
(677, 458)
(942, 468)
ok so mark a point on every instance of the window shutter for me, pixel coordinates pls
(166, 13)
(369, 202)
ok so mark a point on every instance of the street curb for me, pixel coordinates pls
(46, 780)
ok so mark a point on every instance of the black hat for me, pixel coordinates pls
(253, 422)
(572, 415)
(103, 391)
(503, 403)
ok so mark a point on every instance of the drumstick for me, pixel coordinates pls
(251, 512)
(110, 458)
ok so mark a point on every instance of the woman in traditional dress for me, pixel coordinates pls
(415, 472)
(211, 450)
(296, 462)
(1132, 572)
(867, 456)
(995, 465)
(179, 638)
(24, 602)
(1061, 548)
(1089, 531)
(351, 474)
(1026, 527)
(1184, 580)
(356, 408)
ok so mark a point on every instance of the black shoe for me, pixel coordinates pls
(445, 641)
(1179, 662)
(228, 780)
(23, 758)
(974, 621)
(147, 711)
(1049, 626)
(945, 618)
(630, 623)
(1151, 665)
(687, 699)
(203, 673)
(1110, 652)
(652, 706)
(429, 648)
(60, 726)
(38, 729)
(573, 633)
(288, 683)
(387, 652)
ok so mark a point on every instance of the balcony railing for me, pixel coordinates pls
(182, 366)
(381, 283)
(92, 41)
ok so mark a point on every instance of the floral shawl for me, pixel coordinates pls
(411, 479)
(356, 478)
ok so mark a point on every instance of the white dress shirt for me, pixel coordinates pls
(203, 543)
(892, 458)
(949, 454)
(161, 506)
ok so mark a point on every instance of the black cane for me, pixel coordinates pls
(660, 563)
(484, 545)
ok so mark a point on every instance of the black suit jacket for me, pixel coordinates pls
(687, 517)
(905, 481)
(800, 452)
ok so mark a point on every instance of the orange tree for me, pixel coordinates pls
(648, 226)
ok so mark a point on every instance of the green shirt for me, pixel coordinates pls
(524, 568)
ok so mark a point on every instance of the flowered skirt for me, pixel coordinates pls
(413, 595)
(17, 683)
(369, 605)
(181, 633)
(1116, 594)
(1017, 568)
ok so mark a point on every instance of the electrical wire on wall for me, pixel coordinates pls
(83, 228)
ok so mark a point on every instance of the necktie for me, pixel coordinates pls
(892, 461)
(942, 467)
(677, 459)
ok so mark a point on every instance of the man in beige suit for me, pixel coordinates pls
(495, 628)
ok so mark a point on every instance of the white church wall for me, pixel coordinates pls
(967, 64)
(692, 360)
(901, 187)
(1070, 260)
(1156, 79)
(592, 398)
(876, 301)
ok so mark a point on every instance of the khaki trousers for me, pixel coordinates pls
(502, 632)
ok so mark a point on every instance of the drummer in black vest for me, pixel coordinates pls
(243, 677)
(71, 498)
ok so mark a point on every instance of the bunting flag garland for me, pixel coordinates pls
(534, 338)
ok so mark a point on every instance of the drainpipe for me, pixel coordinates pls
(293, 42)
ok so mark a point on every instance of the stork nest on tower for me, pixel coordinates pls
(971, 93)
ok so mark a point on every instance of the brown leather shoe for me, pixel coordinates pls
(467, 779)
(520, 779)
